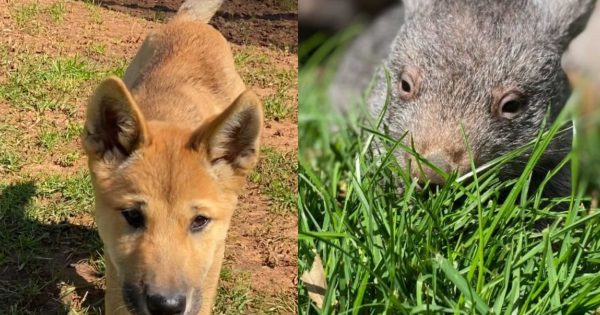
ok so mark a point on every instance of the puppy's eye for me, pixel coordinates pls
(134, 217)
(199, 223)
(408, 85)
(511, 105)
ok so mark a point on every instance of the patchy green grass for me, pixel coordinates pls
(242, 58)
(29, 16)
(68, 159)
(235, 297)
(50, 90)
(98, 48)
(10, 161)
(93, 7)
(57, 11)
(41, 217)
(26, 15)
(42, 82)
(276, 175)
(49, 139)
(51, 136)
(275, 105)
(65, 196)
(279, 304)
(279, 104)
(469, 247)
(53, 197)
(288, 5)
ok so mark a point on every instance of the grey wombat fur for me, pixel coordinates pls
(492, 67)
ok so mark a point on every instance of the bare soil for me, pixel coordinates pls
(272, 22)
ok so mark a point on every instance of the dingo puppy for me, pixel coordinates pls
(169, 148)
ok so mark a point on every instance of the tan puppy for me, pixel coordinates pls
(169, 149)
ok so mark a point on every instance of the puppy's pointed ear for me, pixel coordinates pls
(114, 127)
(232, 137)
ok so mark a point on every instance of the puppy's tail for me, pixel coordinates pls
(199, 10)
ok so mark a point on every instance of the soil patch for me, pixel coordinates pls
(262, 23)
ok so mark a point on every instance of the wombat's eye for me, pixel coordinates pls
(510, 105)
(134, 217)
(409, 84)
(199, 223)
(406, 85)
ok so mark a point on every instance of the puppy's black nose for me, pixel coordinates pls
(165, 304)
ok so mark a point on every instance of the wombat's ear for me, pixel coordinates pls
(564, 18)
(417, 7)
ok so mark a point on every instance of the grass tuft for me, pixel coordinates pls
(57, 11)
(25, 15)
(275, 174)
(469, 247)
(42, 83)
(263, 73)
(233, 296)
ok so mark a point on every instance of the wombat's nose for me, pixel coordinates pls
(159, 304)
(440, 160)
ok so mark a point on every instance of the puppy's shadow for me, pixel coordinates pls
(44, 267)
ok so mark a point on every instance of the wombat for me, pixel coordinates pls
(481, 75)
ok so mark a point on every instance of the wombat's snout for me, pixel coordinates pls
(448, 163)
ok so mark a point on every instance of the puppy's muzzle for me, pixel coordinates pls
(155, 301)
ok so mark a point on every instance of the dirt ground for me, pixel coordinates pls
(270, 22)
(50, 253)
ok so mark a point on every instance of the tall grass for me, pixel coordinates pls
(469, 247)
